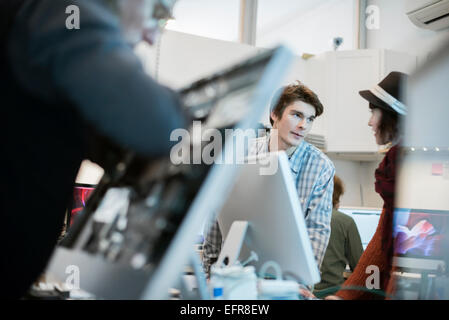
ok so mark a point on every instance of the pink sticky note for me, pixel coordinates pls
(437, 169)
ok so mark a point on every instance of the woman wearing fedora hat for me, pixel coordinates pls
(374, 267)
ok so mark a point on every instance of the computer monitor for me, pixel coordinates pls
(276, 227)
(422, 237)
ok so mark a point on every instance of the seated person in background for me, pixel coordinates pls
(292, 117)
(345, 246)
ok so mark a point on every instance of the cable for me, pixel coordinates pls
(325, 292)
(253, 257)
(158, 53)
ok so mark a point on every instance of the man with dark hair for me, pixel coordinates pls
(292, 93)
(292, 115)
(55, 83)
(345, 246)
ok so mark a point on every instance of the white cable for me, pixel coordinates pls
(253, 257)
(158, 53)
(275, 266)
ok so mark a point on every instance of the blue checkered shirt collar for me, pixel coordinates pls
(295, 154)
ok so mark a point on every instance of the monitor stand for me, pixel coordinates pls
(233, 244)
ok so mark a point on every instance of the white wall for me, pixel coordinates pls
(358, 179)
(215, 19)
(420, 187)
(398, 33)
(370, 198)
(311, 30)
(348, 171)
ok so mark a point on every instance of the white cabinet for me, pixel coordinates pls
(337, 77)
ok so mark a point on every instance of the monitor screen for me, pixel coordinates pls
(81, 193)
(421, 233)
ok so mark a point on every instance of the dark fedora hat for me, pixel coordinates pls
(387, 95)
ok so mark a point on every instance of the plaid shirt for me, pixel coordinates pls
(313, 174)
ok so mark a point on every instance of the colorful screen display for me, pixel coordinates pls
(421, 233)
(81, 194)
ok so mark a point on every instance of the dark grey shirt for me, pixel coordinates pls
(95, 70)
(54, 84)
(345, 247)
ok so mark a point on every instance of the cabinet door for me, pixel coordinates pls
(350, 72)
(397, 61)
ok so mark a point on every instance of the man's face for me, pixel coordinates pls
(294, 124)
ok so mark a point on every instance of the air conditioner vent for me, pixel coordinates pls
(432, 15)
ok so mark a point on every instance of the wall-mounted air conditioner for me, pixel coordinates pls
(429, 14)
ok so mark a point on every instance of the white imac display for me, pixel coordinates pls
(276, 229)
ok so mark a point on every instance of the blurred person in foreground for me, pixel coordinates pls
(58, 85)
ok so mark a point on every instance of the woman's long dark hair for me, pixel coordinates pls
(389, 124)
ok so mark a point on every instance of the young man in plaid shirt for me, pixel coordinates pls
(292, 118)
